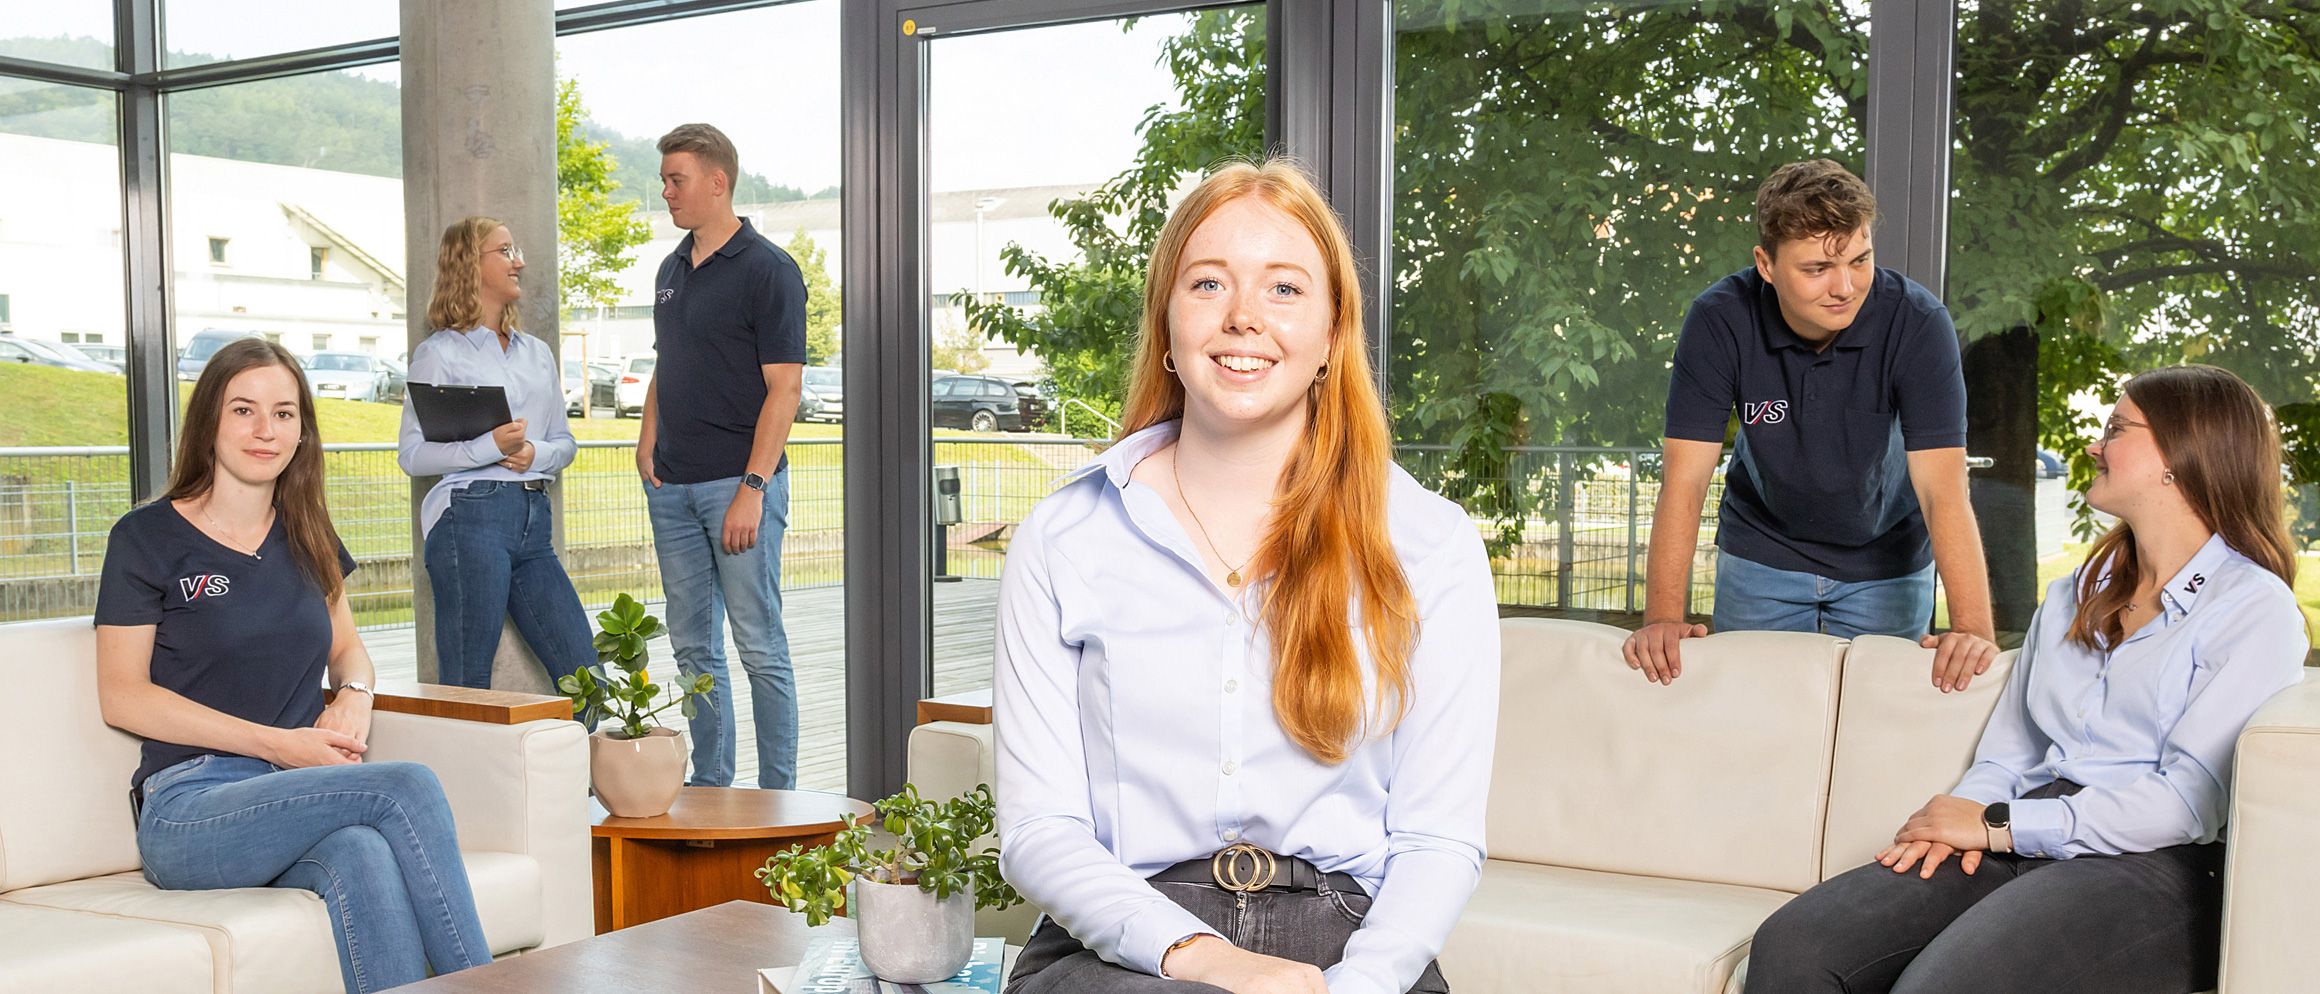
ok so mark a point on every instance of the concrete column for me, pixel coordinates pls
(479, 137)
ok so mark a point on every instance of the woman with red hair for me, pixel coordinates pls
(1247, 674)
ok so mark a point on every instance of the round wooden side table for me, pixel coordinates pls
(706, 850)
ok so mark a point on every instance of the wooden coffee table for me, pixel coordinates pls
(706, 850)
(714, 951)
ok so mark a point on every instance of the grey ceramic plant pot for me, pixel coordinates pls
(908, 937)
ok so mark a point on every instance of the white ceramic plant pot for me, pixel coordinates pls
(908, 937)
(637, 778)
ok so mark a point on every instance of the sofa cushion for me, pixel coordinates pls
(265, 939)
(69, 813)
(948, 758)
(1719, 777)
(2271, 881)
(1899, 742)
(1545, 928)
(46, 951)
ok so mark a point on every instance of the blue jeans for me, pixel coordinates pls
(705, 585)
(1753, 597)
(373, 839)
(492, 555)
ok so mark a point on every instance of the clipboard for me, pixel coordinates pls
(453, 413)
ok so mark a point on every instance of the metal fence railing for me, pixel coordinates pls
(1581, 534)
(1578, 543)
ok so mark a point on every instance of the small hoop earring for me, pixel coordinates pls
(1323, 374)
(1167, 362)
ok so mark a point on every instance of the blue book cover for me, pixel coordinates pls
(834, 966)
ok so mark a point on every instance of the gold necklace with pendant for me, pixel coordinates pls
(1232, 576)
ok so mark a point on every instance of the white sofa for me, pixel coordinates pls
(1638, 834)
(77, 916)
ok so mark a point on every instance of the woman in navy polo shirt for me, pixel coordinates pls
(2088, 829)
(221, 610)
(488, 525)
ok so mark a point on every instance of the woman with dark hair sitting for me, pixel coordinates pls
(1246, 686)
(2088, 829)
(221, 611)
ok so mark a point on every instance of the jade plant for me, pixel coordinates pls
(628, 695)
(934, 848)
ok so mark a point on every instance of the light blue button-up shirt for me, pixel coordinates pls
(535, 393)
(1135, 727)
(2146, 728)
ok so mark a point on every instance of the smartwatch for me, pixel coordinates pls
(1997, 820)
(753, 482)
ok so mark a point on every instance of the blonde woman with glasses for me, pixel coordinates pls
(489, 535)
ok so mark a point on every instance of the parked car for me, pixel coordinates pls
(116, 356)
(346, 376)
(33, 351)
(1033, 401)
(829, 383)
(2051, 465)
(398, 378)
(976, 403)
(809, 404)
(201, 346)
(628, 393)
(597, 378)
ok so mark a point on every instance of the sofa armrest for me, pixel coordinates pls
(2271, 882)
(520, 788)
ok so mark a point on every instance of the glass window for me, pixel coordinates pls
(614, 103)
(63, 418)
(2137, 197)
(73, 32)
(260, 175)
(1566, 179)
(320, 258)
(195, 32)
(1044, 203)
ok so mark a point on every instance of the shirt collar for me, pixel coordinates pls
(732, 247)
(2182, 591)
(482, 336)
(1119, 461)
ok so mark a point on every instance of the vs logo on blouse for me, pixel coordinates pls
(202, 585)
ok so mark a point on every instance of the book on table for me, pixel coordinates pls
(833, 965)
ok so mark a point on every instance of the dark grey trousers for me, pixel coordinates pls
(2143, 922)
(1306, 926)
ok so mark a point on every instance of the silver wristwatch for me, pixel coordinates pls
(358, 685)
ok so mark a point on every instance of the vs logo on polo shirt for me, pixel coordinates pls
(667, 294)
(202, 585)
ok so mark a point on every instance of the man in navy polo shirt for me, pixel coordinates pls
(1848, 478)
(729, 327)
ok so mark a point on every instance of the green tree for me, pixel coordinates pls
(1089, 305)
(2137, 184)
(824, 316)
(594, 231)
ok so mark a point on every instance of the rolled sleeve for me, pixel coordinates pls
(1049, 850)
(1441, 777)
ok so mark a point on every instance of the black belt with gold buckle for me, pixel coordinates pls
(1243, 868)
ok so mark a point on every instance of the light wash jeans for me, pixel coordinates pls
(1753, 597)
(373, 839)
(491, 556)
(704, 585)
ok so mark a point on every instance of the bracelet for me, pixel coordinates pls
(1178, 944)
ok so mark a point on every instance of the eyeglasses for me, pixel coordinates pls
(2117, 426)
(512, 253)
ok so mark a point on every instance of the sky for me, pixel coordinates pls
(997, 116)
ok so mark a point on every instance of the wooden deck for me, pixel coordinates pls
(964, 622)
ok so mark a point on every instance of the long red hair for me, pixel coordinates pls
(1327, 545)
